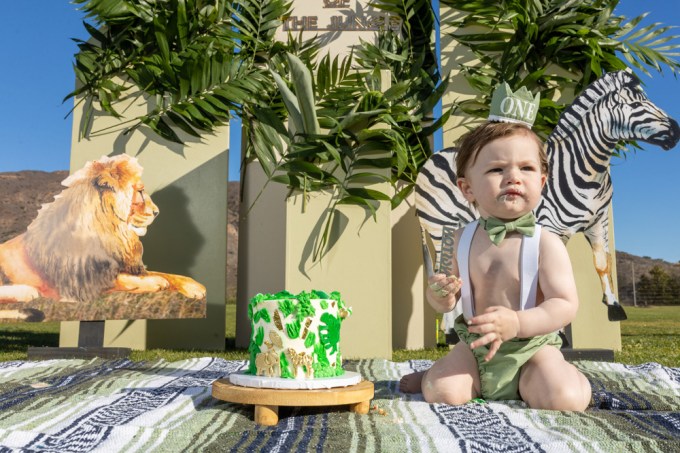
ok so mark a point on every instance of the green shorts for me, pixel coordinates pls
(499, 377)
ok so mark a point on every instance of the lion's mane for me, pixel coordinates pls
(81, 241)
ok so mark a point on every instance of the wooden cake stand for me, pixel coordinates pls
(268, 400)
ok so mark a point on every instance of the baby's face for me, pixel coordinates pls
(506, 180)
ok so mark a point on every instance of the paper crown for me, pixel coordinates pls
(517, 107)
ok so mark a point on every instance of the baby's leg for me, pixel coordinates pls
(547, 381)
(453, 379)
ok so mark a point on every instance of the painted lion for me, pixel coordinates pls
(86, 242)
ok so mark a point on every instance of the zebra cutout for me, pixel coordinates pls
(578, 191)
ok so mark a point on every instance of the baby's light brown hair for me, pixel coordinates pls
(472, 142)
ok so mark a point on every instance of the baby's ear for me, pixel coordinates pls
(465, 189)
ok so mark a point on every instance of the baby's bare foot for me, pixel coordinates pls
(411, 382)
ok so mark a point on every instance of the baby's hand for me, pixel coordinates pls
(443, 288)
(496, 325)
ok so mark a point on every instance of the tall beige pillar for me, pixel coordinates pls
(189, 185)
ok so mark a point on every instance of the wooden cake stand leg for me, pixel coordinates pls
(266, 415)
(360, 407)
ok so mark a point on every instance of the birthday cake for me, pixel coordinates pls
(296, 336)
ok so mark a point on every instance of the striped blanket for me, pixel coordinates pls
(124, 406)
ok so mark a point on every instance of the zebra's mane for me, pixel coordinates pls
(602, 88)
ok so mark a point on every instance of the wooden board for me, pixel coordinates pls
(267, 401)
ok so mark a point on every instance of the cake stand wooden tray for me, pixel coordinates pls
(267, 401)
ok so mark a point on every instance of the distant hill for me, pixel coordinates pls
(22, 193)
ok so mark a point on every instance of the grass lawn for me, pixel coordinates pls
(649, 335)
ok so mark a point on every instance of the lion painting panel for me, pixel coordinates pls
(81, 258)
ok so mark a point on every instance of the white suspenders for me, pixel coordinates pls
(528, 276)
(463, 258)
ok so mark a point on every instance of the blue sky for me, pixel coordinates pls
(35, 74)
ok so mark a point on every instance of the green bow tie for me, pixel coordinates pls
(497, 229)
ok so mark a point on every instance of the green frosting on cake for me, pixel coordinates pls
(310, 339)
(293, 329)
(285, 367)
(259, 337)
(254, 349)
(322, 362)
(329, 332)
(304, 307)
(287, 307)
(324, 337)
(285, 295)
(261, 314)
